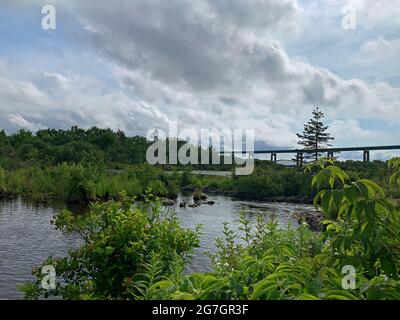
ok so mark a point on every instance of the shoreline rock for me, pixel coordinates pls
(168, 202)
(312, 218)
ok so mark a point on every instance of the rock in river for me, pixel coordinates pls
(313, 219)
(168, 202)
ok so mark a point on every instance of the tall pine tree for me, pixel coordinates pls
(315, 135)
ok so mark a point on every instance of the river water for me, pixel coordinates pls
(27, 236)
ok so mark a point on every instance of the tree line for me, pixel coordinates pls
(76, 145)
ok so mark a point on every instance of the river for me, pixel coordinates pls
(27, 236)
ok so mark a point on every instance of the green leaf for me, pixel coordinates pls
(370, 211)
(318, 197)
(307, 296)
(262, 288)
(326, 198)
(374, 189)
(350, 192)
(340, 295)
(337, 198)
(395, 179)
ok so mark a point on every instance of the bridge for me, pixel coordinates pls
(329, 152)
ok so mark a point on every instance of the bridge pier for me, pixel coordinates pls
(299, 159)
(366, 156)
(273, 157)
(330, 155)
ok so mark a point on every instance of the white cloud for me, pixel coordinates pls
(343, 129)
(381, 50)
(372, 14)
(22, 123)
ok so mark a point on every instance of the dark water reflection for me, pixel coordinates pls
(27, 237)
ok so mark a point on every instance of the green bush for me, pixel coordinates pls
(120, 240)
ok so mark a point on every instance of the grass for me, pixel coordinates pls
(77, 183)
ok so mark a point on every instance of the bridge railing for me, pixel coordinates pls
(329, 152)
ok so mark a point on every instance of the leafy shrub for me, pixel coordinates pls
(363, 225)
(120, 240)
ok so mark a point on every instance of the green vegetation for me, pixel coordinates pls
(79, 183)
(273, 181)
(128, 249)
(267, 181)
(90, 182)
(51, 147)
(80, 165)
(102, 147)
(122, 241)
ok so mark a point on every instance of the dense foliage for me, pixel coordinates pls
(51, 147)
(84, 183)
(121, 239)
(272, 181)
(266, 182)
(91, 182)
(263, 262)
(87, 165)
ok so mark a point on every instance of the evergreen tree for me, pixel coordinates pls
(315, 135)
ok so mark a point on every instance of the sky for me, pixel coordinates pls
(264, 65)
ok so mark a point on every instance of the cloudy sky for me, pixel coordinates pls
(260, 64)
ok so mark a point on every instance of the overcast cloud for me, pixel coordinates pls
(261, 64)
